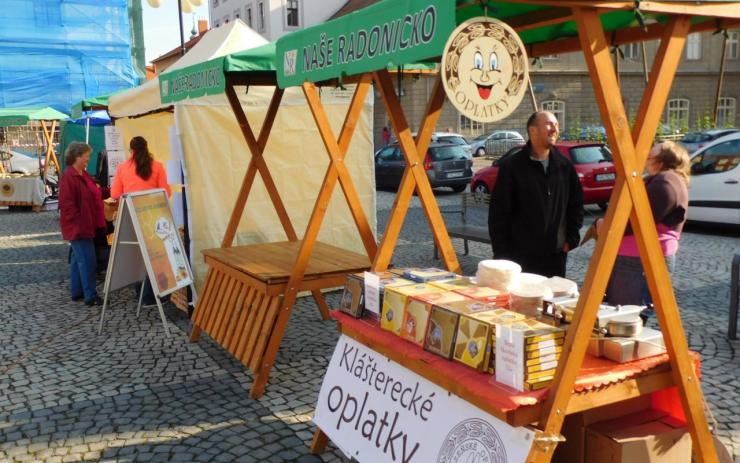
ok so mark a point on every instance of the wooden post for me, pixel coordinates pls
(628, 191)
(50, 156)
(720, 79)
(414, 175)
(314, 223)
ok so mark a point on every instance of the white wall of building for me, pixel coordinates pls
(310, 13)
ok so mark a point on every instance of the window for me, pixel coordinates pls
(632, 51)
(237, 14)
(261, 16)
(249, 16)
(226, 19)
(469, 125)
(291, 13)
(726, 112)
(389, 153)
(550, 57)
(693, 46)
(733, 45)
(217, 24)
(677, 116)
(215, 4)
(557, 108)
(719, 158)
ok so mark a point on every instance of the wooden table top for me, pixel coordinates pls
(273, 262)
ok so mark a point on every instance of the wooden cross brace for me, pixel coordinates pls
(414, 176)
(337, 170)
(50, 155)
(628, 201)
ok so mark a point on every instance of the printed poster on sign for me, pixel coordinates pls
(374, 410)
(163, 247)
(484, 69)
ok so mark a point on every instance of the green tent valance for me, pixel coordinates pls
(397, 32)
(209, 77)
(98, 102)
(10, 117)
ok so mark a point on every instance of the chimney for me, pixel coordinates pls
(202, 26)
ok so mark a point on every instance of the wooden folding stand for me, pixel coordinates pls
(50, 155)
(250, 290)
(628, 201)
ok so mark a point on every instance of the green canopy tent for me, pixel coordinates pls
(92, 133)
(89, 104)
(14, 117)
(331, 52)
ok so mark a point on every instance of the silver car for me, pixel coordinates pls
(20, 163)
(693, 141)
(499, 141)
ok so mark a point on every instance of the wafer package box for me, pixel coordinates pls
(423, 275)
(394, 304)
(522, 344)
(443, 321)
(353, 302)
(417, 310)
(452, 284)
(473, 341)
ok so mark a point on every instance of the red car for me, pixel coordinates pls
(593, 162)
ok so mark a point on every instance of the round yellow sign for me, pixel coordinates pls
(484, 69)
(7, 190)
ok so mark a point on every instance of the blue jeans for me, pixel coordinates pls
(82, 266)
(627, 285)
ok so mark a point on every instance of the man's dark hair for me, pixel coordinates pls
(532, 121)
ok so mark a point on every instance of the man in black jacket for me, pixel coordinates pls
(536, 207)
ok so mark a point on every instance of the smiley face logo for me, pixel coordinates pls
(484, 69)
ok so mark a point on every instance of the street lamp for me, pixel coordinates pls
(183, 6)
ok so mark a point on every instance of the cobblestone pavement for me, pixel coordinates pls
(67, 394)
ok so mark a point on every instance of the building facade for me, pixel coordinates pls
(273, 18)
(562, 85)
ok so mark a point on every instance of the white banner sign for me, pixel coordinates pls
(113, 138)
(115, 159)
(376, 410)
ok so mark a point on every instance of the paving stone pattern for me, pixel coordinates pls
(67, 394)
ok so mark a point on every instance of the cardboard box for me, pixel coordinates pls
(574, 427)
(394, 303)
(423, 275)
(417, 310)
(458, 282)
(485, 294)
(352, 302)
(373, 299)
(473, 341)
(443, 321)
(649, 436)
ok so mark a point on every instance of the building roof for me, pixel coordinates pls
(352, 5)
(176, 51)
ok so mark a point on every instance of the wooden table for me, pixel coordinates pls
(244, 291)
(600, 382)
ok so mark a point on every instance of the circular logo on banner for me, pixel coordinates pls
(7, 190)
(472, 440)
(484, 69)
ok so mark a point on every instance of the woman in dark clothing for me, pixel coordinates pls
(80, 214)
(668, 169)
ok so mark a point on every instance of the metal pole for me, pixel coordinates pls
(644, 62)
(179, 22)
(531, 94)
(720, 79)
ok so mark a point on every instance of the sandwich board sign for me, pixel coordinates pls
(146, 244)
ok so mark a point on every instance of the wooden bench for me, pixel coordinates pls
(477, 202)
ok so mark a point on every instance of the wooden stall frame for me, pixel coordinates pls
(50, 155)
(336, 171)
(629, 201)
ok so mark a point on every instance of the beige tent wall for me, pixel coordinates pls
(153, 127)
(216, 158)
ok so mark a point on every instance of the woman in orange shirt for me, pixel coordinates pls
(140, 172)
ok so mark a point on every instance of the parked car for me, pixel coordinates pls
(593, 163)
(499, 140)
(692, 141)
(446, 165)
(447, 137)
(714, 193)
(19, 162)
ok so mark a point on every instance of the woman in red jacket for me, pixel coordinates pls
(80, 214)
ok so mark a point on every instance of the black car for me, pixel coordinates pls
(446, 165)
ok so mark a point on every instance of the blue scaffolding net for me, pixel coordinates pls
(58, 52)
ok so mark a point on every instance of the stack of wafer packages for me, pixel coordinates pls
(527, 353)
